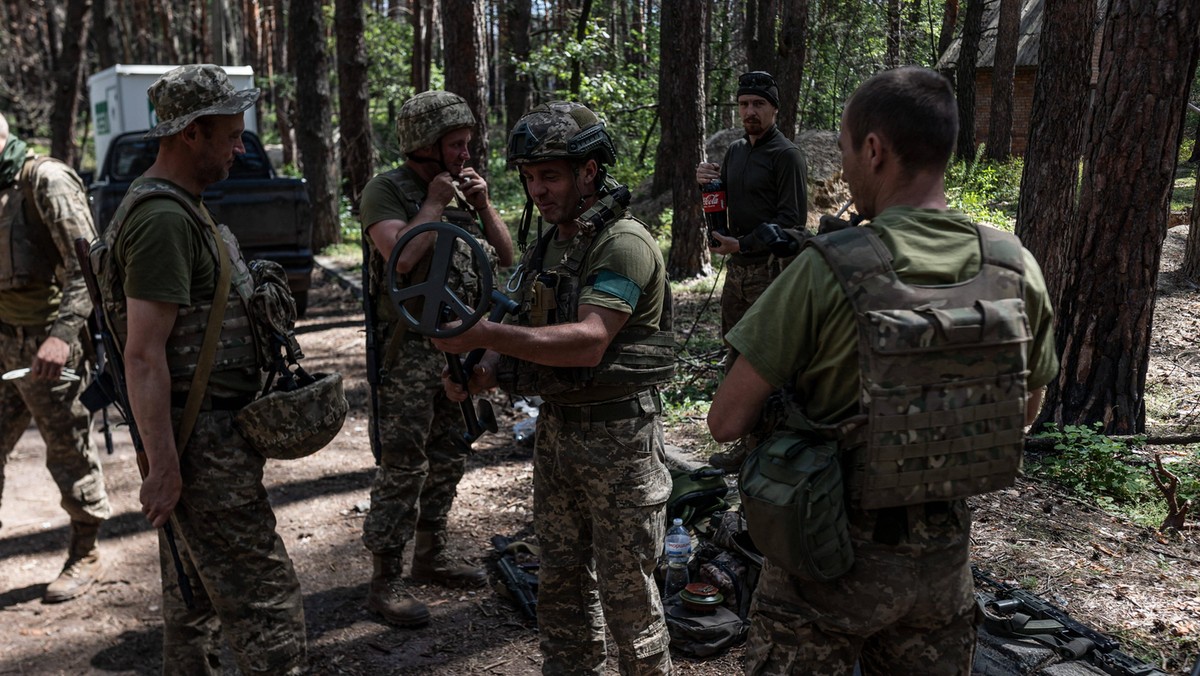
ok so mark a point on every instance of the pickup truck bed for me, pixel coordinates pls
(270, 215)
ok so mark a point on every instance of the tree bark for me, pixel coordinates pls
(1060, 105)
(68, 81)
(793, 45)
(421, 20)
(1191, 253)
(353, 115)
(102, 30)
(585, 15)
(517, 89)
(965, 73)
(681, 147)
(949, 21)
(894, 33)
(760, 34)
(1008, 33)
(314, 112)
(466, 68)
(281, 85)
(1147, 63)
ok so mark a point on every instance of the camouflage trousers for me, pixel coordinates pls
(63, 422)
(242, 580)
(907, 608)
(423, 455)
(599, 501)
(744, 283)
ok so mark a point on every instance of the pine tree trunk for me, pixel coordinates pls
(421, 36)
(894, 36)
(965, 74)
(517, 98)
(314, 112)
(68, 81)
(949, 21)
(760, 34)
(1191, 253)
(1147, 63)
(353, 116)
(793, 45)
(466, 68)
(999, 140)
(681, 81)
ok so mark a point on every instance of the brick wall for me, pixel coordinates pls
(1022, 105)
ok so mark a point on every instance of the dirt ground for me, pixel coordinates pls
(1118, 577)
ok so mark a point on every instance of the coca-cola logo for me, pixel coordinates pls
(714, 201)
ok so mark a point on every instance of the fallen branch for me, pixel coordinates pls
(1042, 445)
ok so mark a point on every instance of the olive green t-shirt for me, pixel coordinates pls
(624, 272)
(162, 255)
(802, 329)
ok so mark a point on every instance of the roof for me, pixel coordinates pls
(1028, 43)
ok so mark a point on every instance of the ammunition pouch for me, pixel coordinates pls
(792, 496)
(627, 361)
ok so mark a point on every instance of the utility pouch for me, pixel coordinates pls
(792, 496)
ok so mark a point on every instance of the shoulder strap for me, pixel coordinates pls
(855, 255)
(208, 350)
(1000, 248)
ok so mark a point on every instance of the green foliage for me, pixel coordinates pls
(1184, 188)
(985, 190)
(1092, 465)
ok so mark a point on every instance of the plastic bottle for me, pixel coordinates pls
(713, 195)
(678, 550)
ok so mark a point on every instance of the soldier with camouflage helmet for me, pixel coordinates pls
(593, 339)
(43, 311)
(158, 272)
(421, 452)
(884, 370)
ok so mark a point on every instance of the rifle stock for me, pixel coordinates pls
(372, 351)
(109, 386)
(518, 586)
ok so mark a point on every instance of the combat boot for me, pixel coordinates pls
(730, 459)
(387, 597)
(83, 567)
(430, 563)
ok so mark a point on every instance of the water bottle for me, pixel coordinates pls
(678, 550)
(713, 196)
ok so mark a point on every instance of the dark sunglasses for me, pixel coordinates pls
(757, 79)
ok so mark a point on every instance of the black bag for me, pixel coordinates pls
(703, 634)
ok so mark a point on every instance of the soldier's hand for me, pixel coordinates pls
(50, 359)
(159, 494)
(728, 245)
(482, 378)
(441, 189)
(707, 171)
(474, 188)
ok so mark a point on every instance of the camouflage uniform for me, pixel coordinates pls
(242, 580)
(38, 268)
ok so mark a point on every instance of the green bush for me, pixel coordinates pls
(1092, 465)
(986, 191)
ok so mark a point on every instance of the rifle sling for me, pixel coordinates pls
(1049, 633)
(204, 363)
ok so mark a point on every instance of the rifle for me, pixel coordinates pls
(108, 387)
(1020, 613)
(517, 584)
(372, 352)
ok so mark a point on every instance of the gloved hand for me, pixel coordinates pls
(771, 238)
(831, 223)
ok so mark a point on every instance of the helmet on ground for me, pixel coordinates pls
(560, 130)
(290, 424)
(429, 116)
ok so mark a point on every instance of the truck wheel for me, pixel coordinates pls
(301, 298)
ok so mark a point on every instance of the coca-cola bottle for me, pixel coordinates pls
(713, 194)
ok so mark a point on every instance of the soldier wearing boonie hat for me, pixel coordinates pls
(158, 298)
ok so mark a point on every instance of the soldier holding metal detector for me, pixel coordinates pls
(416, 432)
(592, 337)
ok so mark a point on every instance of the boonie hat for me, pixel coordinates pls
(188, 92)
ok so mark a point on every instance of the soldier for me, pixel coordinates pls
(592, 338)
(43, 311)
(906, 604)
(422, 455)
(159, 279)
(765, 181)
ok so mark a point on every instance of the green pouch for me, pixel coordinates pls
(792, 496)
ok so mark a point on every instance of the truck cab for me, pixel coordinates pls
(270, 214)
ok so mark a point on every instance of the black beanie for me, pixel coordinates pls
(759, 83)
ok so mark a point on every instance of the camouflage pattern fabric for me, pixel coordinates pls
(744, 283)
(244, 586)
(909, 608)
(546, 132)
(188, 92)
(599, 504)
(63, 422)
(428, 116)
(423, 456)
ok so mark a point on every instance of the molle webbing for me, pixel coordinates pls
(942, 373)
(27, 251)
(236, 348)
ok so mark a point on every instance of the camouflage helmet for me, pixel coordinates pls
(560, 129)
(429, 116)
(290, 424)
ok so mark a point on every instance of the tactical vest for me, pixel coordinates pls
(636, 356)
(27, 250)
(942, 373)
(237, 343)
(464, 278)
